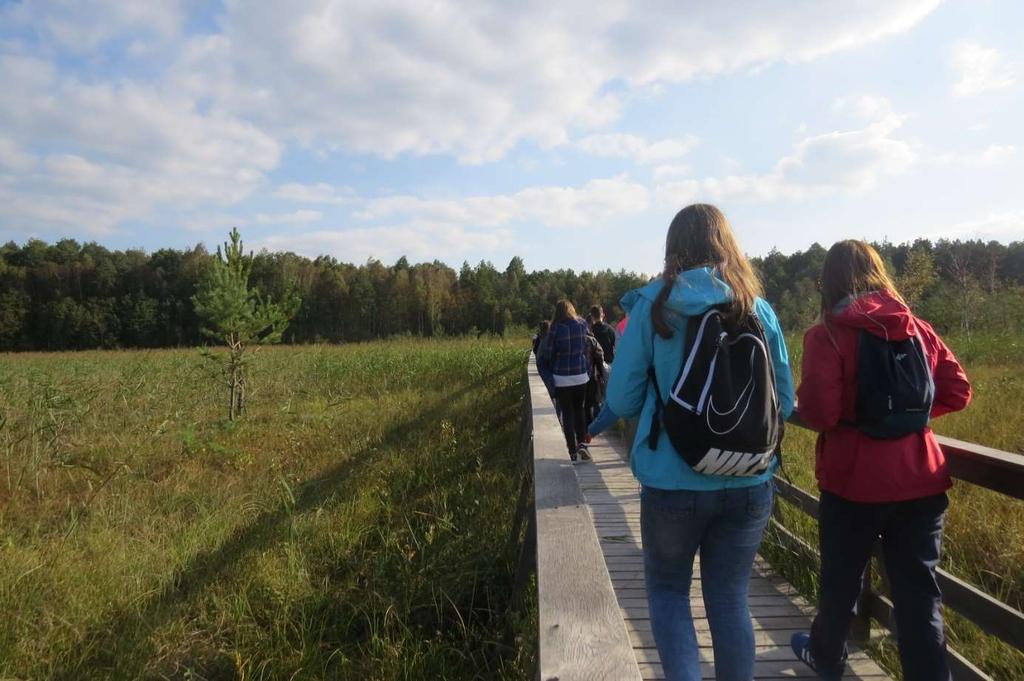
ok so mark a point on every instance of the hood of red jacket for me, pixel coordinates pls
(878, 313)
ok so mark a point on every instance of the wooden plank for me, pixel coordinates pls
(650, 655)
(993, 469)
(779, 638)
(630, 598)
(992, 615)
(581, 633)
(987, 467)
(772, 669)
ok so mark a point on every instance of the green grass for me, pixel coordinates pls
(357, 523)
(984, 533)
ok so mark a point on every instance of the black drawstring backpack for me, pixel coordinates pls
(722, 415)
(895, 387)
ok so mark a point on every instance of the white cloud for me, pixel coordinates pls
(84, 25)
(1005, 226)
(314, 193)
(13, 157)
(586, 205)
(619, 145)
(419, 241)
(293, 218)
(997, 153)
(100, 138)
(992, 155)
(208, 222)
(126, 150)
(671, 171)
(849, 161)
(474, 80)
(981, 69)
(866, 107)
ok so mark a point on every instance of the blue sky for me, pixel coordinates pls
(567, 133)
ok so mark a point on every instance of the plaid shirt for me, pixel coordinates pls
(568, 351)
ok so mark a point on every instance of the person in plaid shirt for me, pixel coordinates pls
(568, 359)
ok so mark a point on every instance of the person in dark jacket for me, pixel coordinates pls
(597, 384)
(895, 487)
(568, 360)
(542, 333)
(603, 332)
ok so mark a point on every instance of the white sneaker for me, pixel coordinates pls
(584, 452)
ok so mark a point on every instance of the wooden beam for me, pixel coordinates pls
(987, 467)
(582, 635)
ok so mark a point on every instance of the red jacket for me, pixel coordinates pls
(848, 463)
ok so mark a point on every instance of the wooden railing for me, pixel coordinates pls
(992, 469)
(581, 634)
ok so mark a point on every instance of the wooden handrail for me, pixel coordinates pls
(993, 469)
(986, 467)
(581, 633)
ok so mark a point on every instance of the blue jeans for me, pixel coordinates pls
(726, 527)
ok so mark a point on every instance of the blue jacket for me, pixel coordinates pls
(631, 393)
(568, 351)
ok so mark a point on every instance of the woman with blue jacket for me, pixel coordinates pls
(682, 511)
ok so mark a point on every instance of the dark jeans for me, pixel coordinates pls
(594, 399)
(574, 420)
(911, 534)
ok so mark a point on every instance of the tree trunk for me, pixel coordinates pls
(231, 393)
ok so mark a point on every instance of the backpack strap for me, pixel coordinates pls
(652, 437)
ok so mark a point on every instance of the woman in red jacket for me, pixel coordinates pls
(867, 348)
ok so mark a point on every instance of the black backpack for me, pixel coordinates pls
(895, 387)
(722, 415)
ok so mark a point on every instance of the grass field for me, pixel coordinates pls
(355, 524)
(984, 535)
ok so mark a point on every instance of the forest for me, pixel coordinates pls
(68, 295)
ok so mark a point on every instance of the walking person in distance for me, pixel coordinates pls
(568, 360)
(701, 492)
(873, 376)
(603, 332)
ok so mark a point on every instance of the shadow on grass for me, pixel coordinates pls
(113, 647)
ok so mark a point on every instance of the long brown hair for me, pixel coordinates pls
(699, 236)
(564, 311)
(853, 268)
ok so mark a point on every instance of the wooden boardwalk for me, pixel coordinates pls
(613, 497)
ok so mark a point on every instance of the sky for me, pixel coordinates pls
(568, 133)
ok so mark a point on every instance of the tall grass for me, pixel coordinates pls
(984, 533)
(356, 524)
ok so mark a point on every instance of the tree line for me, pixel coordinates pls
(958, 286)
(69, 295)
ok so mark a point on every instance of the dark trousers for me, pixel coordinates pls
(594, 399)
(574, 420)
(911, 533)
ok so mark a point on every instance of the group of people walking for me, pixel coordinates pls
(703, 366)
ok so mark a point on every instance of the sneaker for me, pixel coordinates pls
(800, 643)
(584, 452)
(572, 457)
